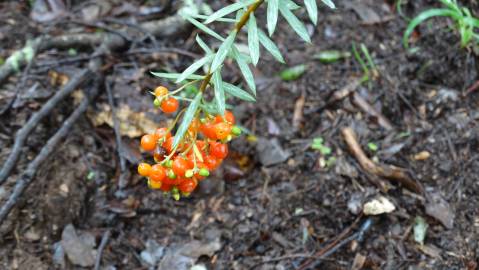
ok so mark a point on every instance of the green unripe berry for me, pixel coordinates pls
(236, 130)
(157, 102)
(171, 174)
(169, 163)
(189, 173)
(204, 172)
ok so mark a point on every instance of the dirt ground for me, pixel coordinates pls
(276, 203)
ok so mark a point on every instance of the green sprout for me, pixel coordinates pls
(369, 67)
(318, 144)
(373, 147)
(465, 22)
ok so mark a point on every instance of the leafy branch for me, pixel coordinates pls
(213, 61)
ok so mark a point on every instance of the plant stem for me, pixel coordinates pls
(236, 28)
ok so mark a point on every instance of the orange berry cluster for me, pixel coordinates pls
(167, 104)
(178, 170)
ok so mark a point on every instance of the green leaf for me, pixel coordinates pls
(245, 70)
(227, 10)
(293, 73)
(373, 147)
(420, 229)
(295, 23)
(253, 39)
(194, 67)
(204, 28)
(424, 16)
(219, 91)
(223, 51)
(289, 4)
(312, 9)
(269, 45)
(176, 76)
(204, 17)
(331, 56)
(329, 3)
(203, 45)
(187, 118)
(237, 92)
(272, 15)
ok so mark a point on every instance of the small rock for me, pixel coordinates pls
(378, 206)
(438, 208)
(79, 249)
(152, 253)
(355, 203)
(270, 152)
(184, 257)
(198, 267)
(273, 128)
(59, 255)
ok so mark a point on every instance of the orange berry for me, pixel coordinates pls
(218, 150)
(228, 117)
(144, 169)
(166, 187)
(195, 124)
(158, 173)
(162, 134)
(188, 185)
(168, 144)
(212, 163)
(169, 105)
(161, 91)
(180, 166)
(208, 130)
(222, 130)
(154, 184)
(148, 142)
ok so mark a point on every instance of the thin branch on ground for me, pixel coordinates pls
(27, 177)
(122, 183)
(165, 27)
(337, 243)
(385, 171)
(23, 133)
(104, 241)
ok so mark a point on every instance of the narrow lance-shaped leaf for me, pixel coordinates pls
(187, 118)
(245, 70)
(272, 15)
(219, 91)
(174, 76)
(424, 16)
(269, 45)
(204, 28)
(253, 39)
(237, 92)
(295, 23)
(194, 67)
(329, 3)
(223, 51)
(227, 10)
(205, 17)
(312, 9)
(203, 45)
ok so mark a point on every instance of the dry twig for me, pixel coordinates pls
(387, 171)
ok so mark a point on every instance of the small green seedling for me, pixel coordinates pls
(369, 68)
(331, 56)
(318, 144)
(465, 23)
(293, 73)
(373, 147)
